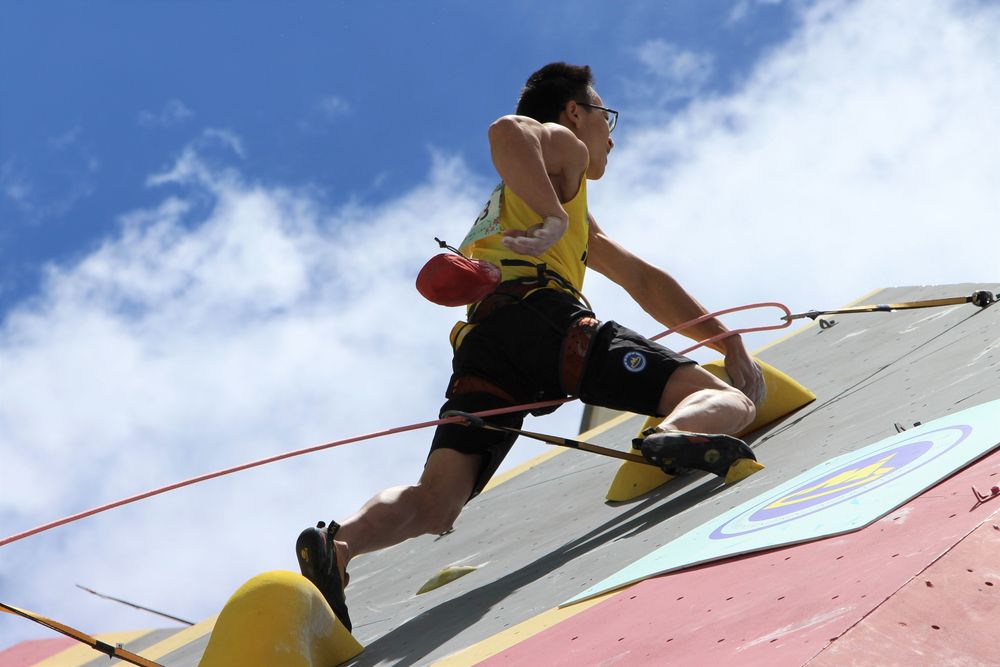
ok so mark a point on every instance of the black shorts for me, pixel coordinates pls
(627, 371)
(518, 349)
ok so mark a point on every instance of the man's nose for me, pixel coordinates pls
(611, 143)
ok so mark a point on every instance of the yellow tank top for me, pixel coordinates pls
(505, 210)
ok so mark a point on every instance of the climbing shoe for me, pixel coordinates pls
(318, 563)
(679, 452)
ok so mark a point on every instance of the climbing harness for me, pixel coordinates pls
(516, 289)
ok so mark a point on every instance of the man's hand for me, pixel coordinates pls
(661, 296)
(743, 372)
(537, 239)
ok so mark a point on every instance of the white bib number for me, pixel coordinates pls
(488, 222)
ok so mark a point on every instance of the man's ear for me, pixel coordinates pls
(572, 113)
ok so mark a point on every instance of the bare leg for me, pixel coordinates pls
(402, 512)
(695, 400)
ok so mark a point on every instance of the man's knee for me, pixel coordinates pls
(687, 380)
(441, 514)
(750, 410)
(445, 486)
(691, 379)
(437, 510)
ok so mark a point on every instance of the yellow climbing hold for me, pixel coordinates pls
(446, 576)
(279, 619)
(634, 479)
(741, 469)
(784, 395)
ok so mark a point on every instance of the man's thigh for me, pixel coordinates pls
(627, 371)
(685, 381)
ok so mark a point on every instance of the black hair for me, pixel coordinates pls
(547, 91)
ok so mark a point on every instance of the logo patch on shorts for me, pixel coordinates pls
(635, 362)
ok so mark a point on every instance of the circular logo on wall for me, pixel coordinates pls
(845, 484)
(635, 361)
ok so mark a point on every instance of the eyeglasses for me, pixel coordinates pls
(610, 115)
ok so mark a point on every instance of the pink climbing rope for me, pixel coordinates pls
(399, 429)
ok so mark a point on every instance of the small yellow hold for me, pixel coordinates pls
(741, 469)
(446, 576)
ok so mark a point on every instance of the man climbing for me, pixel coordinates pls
(535, 338)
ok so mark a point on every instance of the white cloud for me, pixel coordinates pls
(334, 107)
(323, 115)
(743, 8)
(669, 73)
(193, 166)
(65, 140)
(187, 344)
(669, 61)
(173, 113)
(57, 185)
(35, 201)
(15, 186)
(853, 158)
(227, 138)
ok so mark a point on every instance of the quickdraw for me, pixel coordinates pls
(981, 298)
(73, 633)
(470, 419)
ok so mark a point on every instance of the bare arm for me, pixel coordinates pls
(542, 163)
(660, 295)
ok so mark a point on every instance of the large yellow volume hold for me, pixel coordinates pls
(279, 619)
(784, 395)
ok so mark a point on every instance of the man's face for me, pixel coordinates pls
(593, 130)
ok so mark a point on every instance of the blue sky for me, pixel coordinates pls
(212, 215)
(344, 98)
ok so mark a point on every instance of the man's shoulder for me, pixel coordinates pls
(555, 133)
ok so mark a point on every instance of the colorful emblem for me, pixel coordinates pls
(846, 484)
(635, 361)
